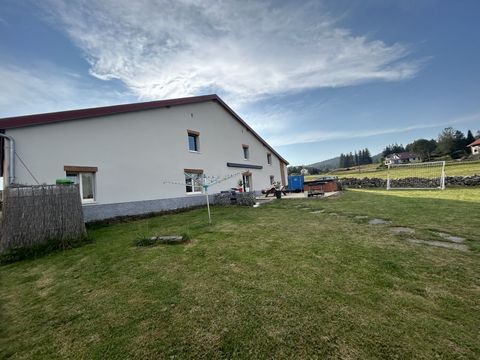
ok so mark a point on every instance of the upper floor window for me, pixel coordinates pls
(246, 153)
(269, 159)
(193, 140)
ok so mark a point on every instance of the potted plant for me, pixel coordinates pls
(240, 185)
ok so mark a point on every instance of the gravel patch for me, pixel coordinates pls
(440, 244)
(455, 239)
(379, 222)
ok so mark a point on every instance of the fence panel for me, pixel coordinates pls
(34, 214)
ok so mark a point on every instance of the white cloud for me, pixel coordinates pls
(319, 136)
(44, 88)
(243, 50)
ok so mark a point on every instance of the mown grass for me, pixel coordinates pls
(271, 282)
(371, 171)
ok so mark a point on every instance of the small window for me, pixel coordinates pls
(86, 181)
(269, 159)
(246, 153)
(193, 143)
(272, 179)
(193, 181)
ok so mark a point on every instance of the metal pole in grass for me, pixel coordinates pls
(205, 187)
(192, 180)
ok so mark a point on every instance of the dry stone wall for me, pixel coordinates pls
(246, 199)
(411, 182)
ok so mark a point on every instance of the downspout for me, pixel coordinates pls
(11, 158)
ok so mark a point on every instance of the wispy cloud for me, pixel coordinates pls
(46, 88)
(243, 50)
(319, 136)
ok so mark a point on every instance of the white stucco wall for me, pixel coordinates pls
(136, 152)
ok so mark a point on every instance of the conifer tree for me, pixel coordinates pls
(470, 137)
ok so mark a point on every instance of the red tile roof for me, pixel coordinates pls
(47, 118)
(475, 143)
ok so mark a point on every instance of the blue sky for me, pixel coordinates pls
(314, 78)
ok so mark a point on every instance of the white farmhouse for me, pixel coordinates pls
(475, 146)
(140, 158)
(401, 158)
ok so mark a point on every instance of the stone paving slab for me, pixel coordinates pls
(379, 222)
(441, 244)
(455, 239)
(398, 230)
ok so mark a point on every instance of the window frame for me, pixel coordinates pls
(246, 152)
(196, 136)
(269, 158)
(199, 173)
(79, 181)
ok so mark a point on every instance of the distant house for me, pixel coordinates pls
(401, 158)
(304, 171)
(475, 146)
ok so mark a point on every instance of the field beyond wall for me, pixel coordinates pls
(371, 171)
(307, 278)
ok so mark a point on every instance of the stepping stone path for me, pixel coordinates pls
(379, 222)
(442, 244)
(398, 230)
(455, 239)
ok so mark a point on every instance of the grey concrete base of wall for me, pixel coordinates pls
(95, 212)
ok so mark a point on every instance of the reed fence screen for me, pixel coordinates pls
(34, 214)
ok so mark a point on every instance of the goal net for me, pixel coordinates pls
(427, 175)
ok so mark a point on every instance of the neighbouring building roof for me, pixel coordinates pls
(53, 117)
(475, 143)
(402, 156)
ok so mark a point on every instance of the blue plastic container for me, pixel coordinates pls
(295, 182)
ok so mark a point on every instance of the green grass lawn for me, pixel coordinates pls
(371, 171)
(271, 282)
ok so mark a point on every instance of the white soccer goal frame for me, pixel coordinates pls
(418, 164)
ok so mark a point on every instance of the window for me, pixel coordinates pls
(246, 154)
(193, 180)
(86, 181)
(272, 179)
(269, 159)
(247, 181)
(193, 143)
